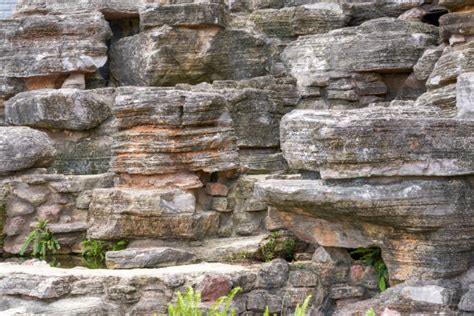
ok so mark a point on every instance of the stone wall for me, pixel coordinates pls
(214, 131)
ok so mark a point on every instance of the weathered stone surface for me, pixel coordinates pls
(147, 258)
(296, 21)
(415, 222)
(172, 131)
(456, 4)
(467, 301)
(22, 148)
(395, 46)
(185, 15)
(444, 98)
(451, 64)
(317, 140)
(166, 56)
(273, 274)
(58, 109)
(465, 95)
(457, 24)
(212, 287)
(426, 63)
(112, 9)
(125, 213)
(42, 287)
(41, 45)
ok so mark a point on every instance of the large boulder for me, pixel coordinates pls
(134, 258)
(58, 109)
(41, 45)
(395, 141)
(147, 213)
(326, 65)
(166, 56)
(23, 148)
(415, 222)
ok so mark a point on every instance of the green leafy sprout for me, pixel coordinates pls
(44, 244)
(373, 257)
(93, 251)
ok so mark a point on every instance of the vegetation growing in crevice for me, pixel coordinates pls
(278, 245)
(43, 243)
(373, 257)
(93, 251)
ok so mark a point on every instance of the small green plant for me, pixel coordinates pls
(268, 250)
(187, 304)
(373, 257)
(44, 244)
(222, 306)
(301, 310)
(289, 245)
(370, 312)
(93, 251)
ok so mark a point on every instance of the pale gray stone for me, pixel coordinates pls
(134, 258)
(58, 109)
(23, 148)
(465, 95)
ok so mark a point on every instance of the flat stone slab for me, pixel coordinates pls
(134, 258)
(58, 109)
(41, 45)
(23, 148)
(415, 222)
(395, 141)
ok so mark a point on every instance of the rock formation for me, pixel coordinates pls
(248, 144)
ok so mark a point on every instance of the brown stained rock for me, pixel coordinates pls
(217, 189)
(214, 286)
(166, 131)
(384, 142)
(415, 222)
(184, 180)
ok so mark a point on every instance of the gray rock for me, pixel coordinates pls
(185, 14)
(58, 109)
(147, 258)
(317, 140)
(16, 207)
(166, 56)
(426, 63)
(465, 95)
(40, 45)
(467, 301)
(357, 208)
(273, 274)
(112, 9)
(430, 294)
(444, 98)
(23, 148)
(125, 213)
(41, 287)
(297, 21)
(345, 291)
(316, 61)
(457, 24)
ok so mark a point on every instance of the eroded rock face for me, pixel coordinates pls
(383, 142)
(398, 216)
(41, 45)
(147, 258)
(166, 56)
(167, 131)
(125, 213)
(58, 109)
(22, 148)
